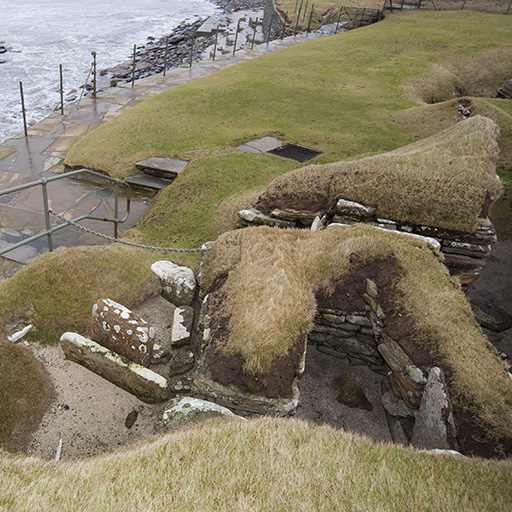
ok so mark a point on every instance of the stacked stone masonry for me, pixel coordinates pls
(464, 253)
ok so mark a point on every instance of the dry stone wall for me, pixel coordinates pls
(464, 253)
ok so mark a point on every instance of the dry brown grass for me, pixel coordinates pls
(481, 74)
(497, 6)
(264, 464)
(439, 181)
(274, 275)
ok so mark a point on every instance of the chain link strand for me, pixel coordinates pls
(112, 239)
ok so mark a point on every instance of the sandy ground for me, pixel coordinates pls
(319, 386)
(89, 412)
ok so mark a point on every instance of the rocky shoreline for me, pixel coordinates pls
(183, 44)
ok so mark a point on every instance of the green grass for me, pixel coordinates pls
(263, 464)
(327, 94)
(25, 393)
(56, 292)
(187, 213)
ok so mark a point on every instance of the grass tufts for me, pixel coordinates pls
(260, 464)
(443, 180)
(270, 303)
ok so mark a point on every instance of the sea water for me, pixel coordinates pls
(41, 34)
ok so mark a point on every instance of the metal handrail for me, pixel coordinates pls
(49, 229)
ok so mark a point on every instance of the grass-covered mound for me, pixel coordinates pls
(258, 465)
(443, 181)
(269, 280)
(56, 292)
(327, 94)
(25, 393)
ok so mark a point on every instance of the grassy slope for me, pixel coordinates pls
(327, 94)
(258, 465)
(443, 180)
(346, 109)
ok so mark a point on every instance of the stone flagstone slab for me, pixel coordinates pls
(148, 386)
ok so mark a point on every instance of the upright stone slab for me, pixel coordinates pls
(119, 329)
(435, 426)
(182, 326)
(178, 283)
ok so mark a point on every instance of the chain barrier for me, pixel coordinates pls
(132, 244)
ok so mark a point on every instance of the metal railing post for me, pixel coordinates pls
(192, 50)
(93, 75)
(236, 35)
(270, 28)
(298, 19)
(23, 110)
(47, 214)
(310, 17)
(339, 18)
(165, 55)
(215, 44)
(61, 91)
(133, 65)
(254, 33)
(305, 10)
(116, 207)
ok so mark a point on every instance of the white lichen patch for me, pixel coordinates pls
(186, 406)
(87, 345)
(179, 330)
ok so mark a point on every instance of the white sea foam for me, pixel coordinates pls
(41, 34)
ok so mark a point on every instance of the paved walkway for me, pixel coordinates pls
(42, 154)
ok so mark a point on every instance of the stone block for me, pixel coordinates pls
(435, 426)
(353, 209)
(148, 386)
(122, 331)
(181, 412)
(178, 283)
(182, 326)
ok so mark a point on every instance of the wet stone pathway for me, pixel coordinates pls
(42, 154)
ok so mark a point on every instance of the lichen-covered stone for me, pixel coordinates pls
(119, 329)
(178, 283)
(180, 412)
(353, 209)
(182, 326)
(435, 426)
(145, 384)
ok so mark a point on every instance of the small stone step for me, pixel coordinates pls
(162, 167)
(144, 182)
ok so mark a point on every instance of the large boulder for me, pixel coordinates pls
(178, 283)
(119, 329)
(145, 384)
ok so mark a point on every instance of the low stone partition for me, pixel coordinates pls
(464, 253)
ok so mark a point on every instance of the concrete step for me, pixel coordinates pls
(142, 181)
